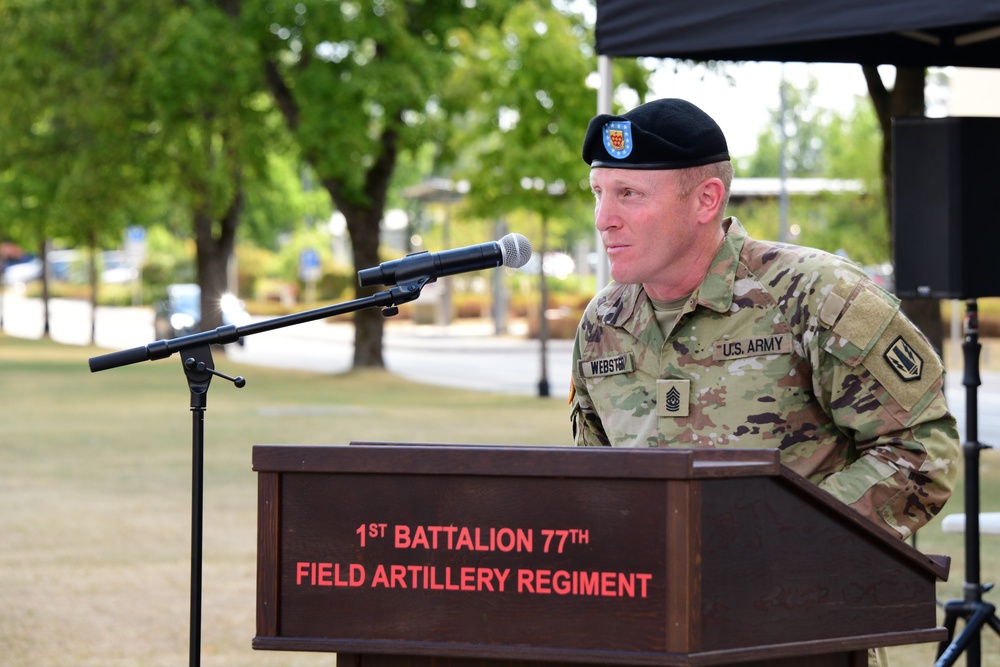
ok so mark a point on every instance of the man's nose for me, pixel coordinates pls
(604, 216)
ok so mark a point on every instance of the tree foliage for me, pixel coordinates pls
(830, 144)
(120, 113)
(119, 104)
(362, 83)
(358, 83)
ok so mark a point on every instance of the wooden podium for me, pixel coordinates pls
(425, 555)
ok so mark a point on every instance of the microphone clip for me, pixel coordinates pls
(404, 292)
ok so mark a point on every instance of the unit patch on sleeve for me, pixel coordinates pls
(752, 347)
(592, 368)
(904, 360)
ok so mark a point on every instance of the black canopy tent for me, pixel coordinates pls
(907, 33)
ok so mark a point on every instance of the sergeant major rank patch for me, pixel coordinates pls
(904, 360)
(673, 398)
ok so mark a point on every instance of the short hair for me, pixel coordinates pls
(690, 178)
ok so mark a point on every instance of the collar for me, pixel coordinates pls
(620, 302)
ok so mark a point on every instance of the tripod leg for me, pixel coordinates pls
(950, 618)
(968, 639)
(994, 622)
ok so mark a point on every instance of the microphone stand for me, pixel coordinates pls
(971, 608)
(196, 359)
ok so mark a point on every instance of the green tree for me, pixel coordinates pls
(358, 83)
(361, 83)
(208, 135)
(118, 103)
(823, 143)
(64, 168)
(802, 124)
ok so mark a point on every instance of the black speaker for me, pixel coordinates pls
(946, 236)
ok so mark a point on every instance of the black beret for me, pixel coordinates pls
(662, 134)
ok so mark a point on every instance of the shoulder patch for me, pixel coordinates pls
(904, 362)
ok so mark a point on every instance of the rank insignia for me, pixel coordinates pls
(618, 138)
(673, 398)
(904, 360)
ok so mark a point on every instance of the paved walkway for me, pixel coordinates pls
(466, 354)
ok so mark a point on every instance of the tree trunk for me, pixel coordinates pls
(369, 323)
(44, 256)
(364, 227)
(94, 282)
(906, 98)
(213, 253)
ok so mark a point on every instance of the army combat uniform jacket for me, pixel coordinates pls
(785, 347)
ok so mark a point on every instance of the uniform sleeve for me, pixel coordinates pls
(588, 431)
(883, 384)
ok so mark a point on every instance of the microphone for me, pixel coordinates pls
(513, 250)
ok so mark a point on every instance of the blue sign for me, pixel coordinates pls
(309, 264)
(135, 234)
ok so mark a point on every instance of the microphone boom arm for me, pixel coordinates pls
(388, 300)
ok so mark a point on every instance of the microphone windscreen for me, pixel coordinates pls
(515, 249)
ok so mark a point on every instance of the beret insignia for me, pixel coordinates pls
(618, 138)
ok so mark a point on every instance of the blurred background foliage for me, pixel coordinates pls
(239, 135)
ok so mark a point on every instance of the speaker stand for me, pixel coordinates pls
(971, 608)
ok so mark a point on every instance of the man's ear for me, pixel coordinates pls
(711, 193)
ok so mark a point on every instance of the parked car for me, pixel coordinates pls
(180, 313)
(21, 273)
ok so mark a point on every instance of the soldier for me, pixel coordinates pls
(709, 338)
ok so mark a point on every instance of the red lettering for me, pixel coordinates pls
(484, 581)
(402, 537)
(464, 540)
(626, 585)
(524, 581)
(644, 579)
(543, 582)
(501, 578)
(324, 574)
(420, 538)
(608, 584)
(301, 570)
(588, 583)
(505, 539)
(562, 582)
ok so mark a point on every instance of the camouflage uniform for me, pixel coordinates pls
(780, 346)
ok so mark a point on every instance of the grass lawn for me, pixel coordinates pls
(95, 484)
